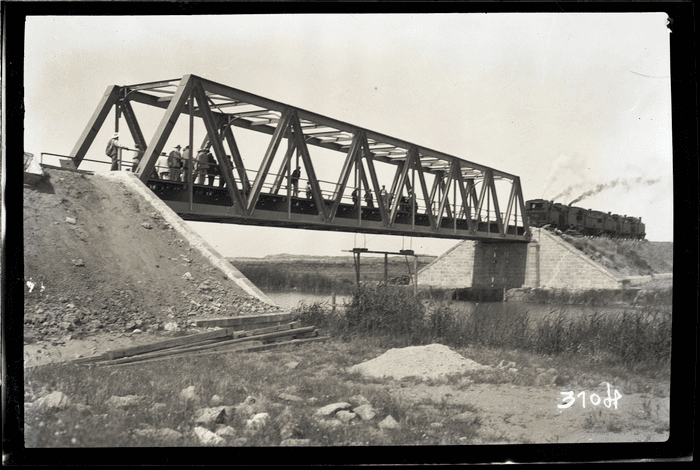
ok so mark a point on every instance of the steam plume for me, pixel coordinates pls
(612, 184)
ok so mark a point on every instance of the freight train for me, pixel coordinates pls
(588, 222)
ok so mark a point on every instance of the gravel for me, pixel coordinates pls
(425, 362)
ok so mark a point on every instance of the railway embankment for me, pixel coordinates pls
(102, 257)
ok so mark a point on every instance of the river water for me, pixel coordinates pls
(290, 300)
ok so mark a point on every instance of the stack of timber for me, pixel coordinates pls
(250, 333)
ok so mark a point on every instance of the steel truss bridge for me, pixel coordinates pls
(431, 194)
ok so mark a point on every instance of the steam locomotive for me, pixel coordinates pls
(568, 219)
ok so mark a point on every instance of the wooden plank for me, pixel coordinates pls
(237, 321)
(241, 346)
(183, 340)
(261, 337)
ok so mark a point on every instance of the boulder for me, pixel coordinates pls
(215, 400)
(291, 365)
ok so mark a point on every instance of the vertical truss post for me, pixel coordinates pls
(496, 208)
(215, 140)
(190, 164)
(86, 139)
(373, 176)
(465, 200)
(167, 123)
(400, 183)
(344, 175)
(308, 166)
(426, 197)
(511, 199)
(290, 151)
(445, 193)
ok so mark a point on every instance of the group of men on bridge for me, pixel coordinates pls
(172, 166)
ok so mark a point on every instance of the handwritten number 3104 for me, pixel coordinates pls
(569, 399)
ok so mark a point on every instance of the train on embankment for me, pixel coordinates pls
(587, 222)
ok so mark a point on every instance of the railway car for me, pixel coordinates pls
(541, 212)
(589, 222)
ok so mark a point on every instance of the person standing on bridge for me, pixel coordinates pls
(295, 181)
(385, 196)
(112, 151)
(202, 165)
(137, 158)
(186, 162)
(174, 163)
(356, 197)
(213, 169)
(309, 190)
(369, 200)
(162, 165)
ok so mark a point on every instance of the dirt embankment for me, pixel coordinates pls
(626, 257)
(98, 258)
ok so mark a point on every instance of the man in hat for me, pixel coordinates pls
(163, 165)
(175, 163)
(112, 151)
(295, 181)
(202, 165)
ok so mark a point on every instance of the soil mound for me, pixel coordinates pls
(99, 258)
(425, 362)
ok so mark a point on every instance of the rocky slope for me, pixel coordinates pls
(98, 258)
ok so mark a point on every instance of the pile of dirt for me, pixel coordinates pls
(98, 258)
(626, 257)
(425, 362)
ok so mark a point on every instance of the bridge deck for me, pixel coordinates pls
(214, 204)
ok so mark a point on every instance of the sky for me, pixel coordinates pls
(575, 104)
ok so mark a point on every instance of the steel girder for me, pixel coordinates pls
(464, 215)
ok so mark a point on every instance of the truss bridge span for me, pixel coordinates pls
(311, 172)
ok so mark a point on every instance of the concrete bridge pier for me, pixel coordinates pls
(546, 261)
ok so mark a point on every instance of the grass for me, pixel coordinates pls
(632, 349)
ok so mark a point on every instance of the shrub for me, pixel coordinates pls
(381, 309)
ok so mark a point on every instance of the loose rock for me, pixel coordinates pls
(289, 397)
(209, 416)
(207, 437)
(366, 412)
(332, 408)
(124, 402)
(388, 423)
(345, 416)
(53, 401)
(295, 443)
(188, 394)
